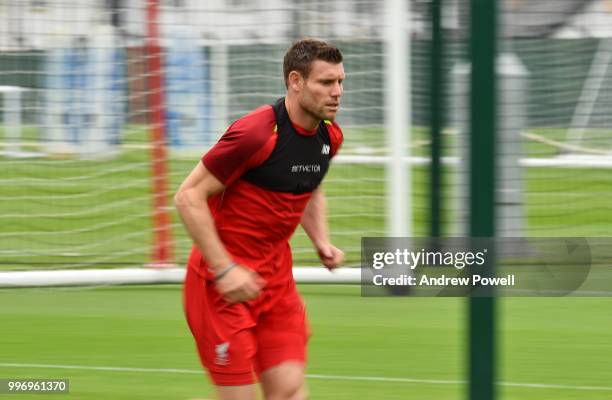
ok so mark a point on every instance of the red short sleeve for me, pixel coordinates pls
(247, 143)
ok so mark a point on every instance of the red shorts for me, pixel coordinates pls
(237, 342)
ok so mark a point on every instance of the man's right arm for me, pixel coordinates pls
(191, 202)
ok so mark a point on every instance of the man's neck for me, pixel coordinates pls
(298, 116)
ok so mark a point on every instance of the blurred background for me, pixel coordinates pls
(101, 99)
(106, 105)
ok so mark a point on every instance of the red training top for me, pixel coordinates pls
(260, 208)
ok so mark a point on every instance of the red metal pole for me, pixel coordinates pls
(162, 233)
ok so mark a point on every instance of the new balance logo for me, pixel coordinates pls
(222, 357)
(325, 149)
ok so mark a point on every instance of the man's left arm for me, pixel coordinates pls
(314, 222)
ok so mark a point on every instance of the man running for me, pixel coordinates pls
(241, 205)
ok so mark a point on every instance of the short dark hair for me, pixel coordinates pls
(303, 53)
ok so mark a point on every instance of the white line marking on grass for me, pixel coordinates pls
(383, 379)
(311, 376)
(101, 368)
(547, 386)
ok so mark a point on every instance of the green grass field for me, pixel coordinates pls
(133, 343)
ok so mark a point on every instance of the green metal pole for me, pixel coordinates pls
(436, 119)
(483, 38)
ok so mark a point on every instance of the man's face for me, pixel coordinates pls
(321, 90)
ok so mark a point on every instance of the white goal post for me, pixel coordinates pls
(149, 276)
